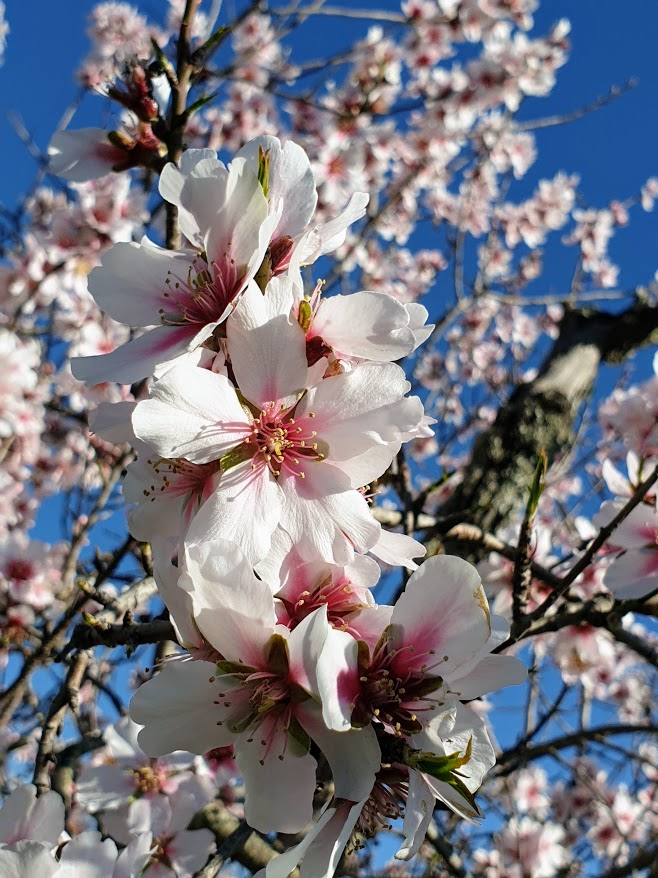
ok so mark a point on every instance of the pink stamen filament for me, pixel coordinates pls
(283, 442)
(203, 297)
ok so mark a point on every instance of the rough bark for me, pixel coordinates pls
(540, 416)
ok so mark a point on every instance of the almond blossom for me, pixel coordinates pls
(253, 685)
(183, 294)
(291, 455)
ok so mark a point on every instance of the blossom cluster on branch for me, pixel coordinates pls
(273, 334)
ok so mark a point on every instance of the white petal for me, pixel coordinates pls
(267, 348)
(245, 508)
(130, 283)
(28, 859)
(232, 608)
(176, 707)
(192, 413)
(397, 549)
(366, 325)
(285, 863)
(290, 181)
(86, 856)
(279, 793)
(354, 756)
(198, 189)
(417, 815)
(492, 673)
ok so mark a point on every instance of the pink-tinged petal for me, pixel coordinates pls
(397, 549)
(492, 673)
(338, 680)
(198, 189)
(364, 325)
(85, 154)
(354, 755)
(171, 500)
(235, 232)
(137, 358)
(232, 608)
(177, 711)
(638, 529)
(23, 816)
(305, 645)
(634, 574)
(324, 517)
(130, 283)
(443, 609)
(246, 509)
(290, 181)
(192, 413)
(279, 792)
(418, 814)
(267, 348)
(359, 409)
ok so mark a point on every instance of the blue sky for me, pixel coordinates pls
(613, 149)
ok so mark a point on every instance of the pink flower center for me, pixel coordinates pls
(264, 698)
(394, 689)
(283, 442)
(19, 569)
(149, 779)
(340, 596)
(201, 298)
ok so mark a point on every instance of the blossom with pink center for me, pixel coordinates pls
(82, 155)
(435, 646)
(361, 326)
(125, 773)
(308, 585)
(167, 494)
(292, 457)
(185, 294)
(259, 694)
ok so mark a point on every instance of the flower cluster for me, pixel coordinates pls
(270, 412)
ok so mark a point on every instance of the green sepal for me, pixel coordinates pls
(264, 169)
(225, 668)
(300, 735)
(235, 456)
(277, 657)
